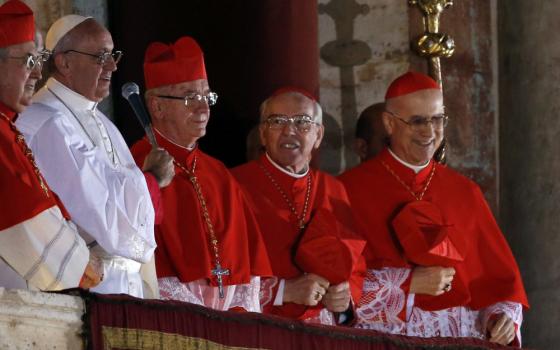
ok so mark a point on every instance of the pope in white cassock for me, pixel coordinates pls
(86, 161)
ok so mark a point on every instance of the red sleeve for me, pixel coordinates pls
(269, 288)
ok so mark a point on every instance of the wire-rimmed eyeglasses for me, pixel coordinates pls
(210, 98)
(32, 61)
(418, 122)
(302, 122)
(102, 58)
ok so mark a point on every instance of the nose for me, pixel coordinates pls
(36, 72)
(110, 65)
(428, 129)
(289, 128)
(202, 106)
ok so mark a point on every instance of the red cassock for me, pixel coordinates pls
(23, 195)
(451, 226)
(329, 246)
(183, 246)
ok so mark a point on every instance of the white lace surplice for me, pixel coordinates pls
(383, 302)
(245, 296)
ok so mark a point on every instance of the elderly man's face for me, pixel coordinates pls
(415, 146)
(34, 76)
(288, 146)
(14, 75)
(181, 124)
(84, 74)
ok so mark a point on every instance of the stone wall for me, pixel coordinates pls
(364, 45)
(40, 321)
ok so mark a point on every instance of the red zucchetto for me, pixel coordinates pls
(173, 64)
(288, 89)
(17, 24)
(410, 82)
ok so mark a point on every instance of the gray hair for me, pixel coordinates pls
(317, 110)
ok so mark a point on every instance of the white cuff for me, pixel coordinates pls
(409, 305)
(279, 300)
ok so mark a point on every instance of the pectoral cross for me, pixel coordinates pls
(219, 272)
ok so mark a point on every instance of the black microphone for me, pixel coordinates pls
(131, 92)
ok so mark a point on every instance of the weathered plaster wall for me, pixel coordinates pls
(40, 321)
(530, 166)
(364, 46)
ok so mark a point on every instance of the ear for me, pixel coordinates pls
(360, 147)
(320, 134)
(262, 134)
(154, 107)
(62, 63)
(388, 122)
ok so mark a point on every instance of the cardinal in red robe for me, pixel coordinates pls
(438, 264)
(40, 248)
(304, 215)
(210, 251)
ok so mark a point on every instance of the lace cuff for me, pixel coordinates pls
(512, 310)
(268, 291)
(383, 301)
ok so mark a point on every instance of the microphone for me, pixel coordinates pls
(131, 92)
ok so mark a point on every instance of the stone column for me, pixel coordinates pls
(530, 166)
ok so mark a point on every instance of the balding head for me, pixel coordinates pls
(412, 137)
(291, 129)
(293, 96)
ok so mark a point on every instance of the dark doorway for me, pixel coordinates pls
(251, 48)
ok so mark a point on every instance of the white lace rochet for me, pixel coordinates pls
(383, 301)
(245, 296)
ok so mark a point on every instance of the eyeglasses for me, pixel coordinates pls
(102, 58)
(210, 98)
(418, 123)
(302, 122)
(31, 61)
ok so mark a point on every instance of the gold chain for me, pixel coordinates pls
(421, 195)
(28, 153)
(217, 271)
(300, 219)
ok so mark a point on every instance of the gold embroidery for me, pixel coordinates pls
(136, 339)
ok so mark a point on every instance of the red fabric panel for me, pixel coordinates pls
(184, 249)
(19, 181)
(280, 229)
(489, 273)
(247, 330)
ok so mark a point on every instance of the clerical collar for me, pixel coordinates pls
(279, 167)
(190, 148)
(70, 97)
(415, 168)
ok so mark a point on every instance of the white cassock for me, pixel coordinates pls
(44, 252)
(87, 163)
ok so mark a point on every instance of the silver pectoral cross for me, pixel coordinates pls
(219, 272)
